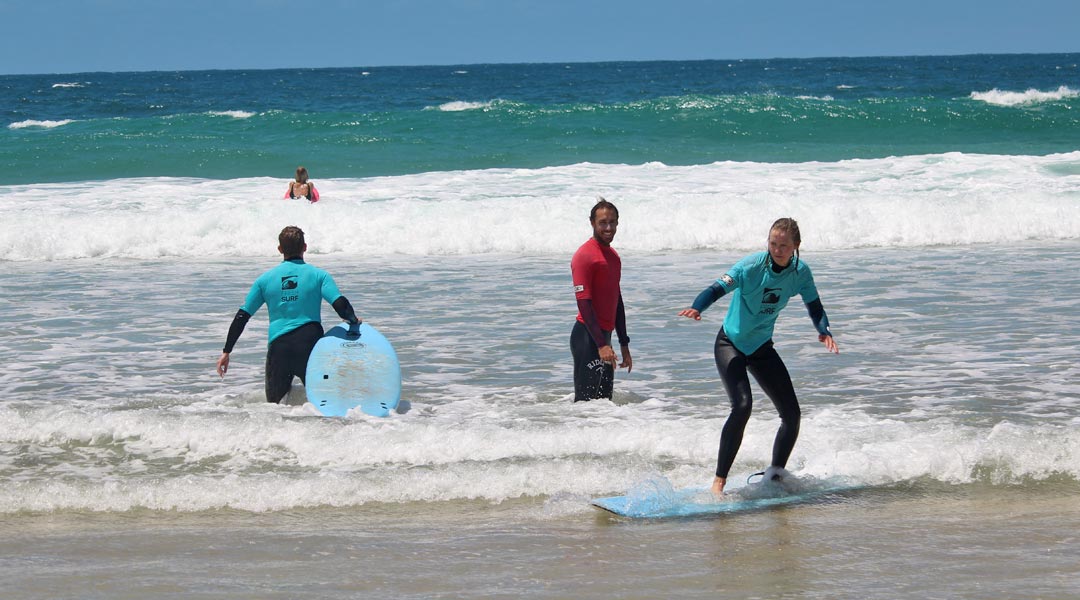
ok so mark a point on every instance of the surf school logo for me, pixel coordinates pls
(289, 283)
(769, 296)
(579, 288)
(727, 280)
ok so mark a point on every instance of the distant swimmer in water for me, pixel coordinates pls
(760, 286)
(293, 293)
(597, 270)
(301, 187)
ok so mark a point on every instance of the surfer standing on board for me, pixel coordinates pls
(597, 270)
(293, 293)
(760, 285)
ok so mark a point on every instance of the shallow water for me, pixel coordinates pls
(133, 471)
(923, 539)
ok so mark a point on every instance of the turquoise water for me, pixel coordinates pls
(366, 122)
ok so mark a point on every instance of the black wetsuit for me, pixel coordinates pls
(771, 374)
(593, 378)
(287, 357)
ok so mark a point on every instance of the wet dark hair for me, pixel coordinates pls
(602, 203)
(301, 175)
(791, 227)
(291, 240)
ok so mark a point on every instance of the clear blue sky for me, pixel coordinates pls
(67, 36)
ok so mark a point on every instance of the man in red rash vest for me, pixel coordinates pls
(597, 270)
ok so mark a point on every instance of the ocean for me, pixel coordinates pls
(939, 203)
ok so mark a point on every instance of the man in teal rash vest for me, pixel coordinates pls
(293, 293)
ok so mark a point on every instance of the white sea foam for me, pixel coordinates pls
(696, 103)
(250, 459)
(459, 106)
(41, 124)
(67, 85)
(950, 200)
(236, 114)
(1031, 96)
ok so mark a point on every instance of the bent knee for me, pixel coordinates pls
(791, 418)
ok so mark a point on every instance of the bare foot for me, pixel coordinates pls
(718, 486)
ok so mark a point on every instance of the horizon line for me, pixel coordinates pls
(513, 63)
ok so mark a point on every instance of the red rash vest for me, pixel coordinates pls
(596, 271)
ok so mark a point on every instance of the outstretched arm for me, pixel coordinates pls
(704, 300)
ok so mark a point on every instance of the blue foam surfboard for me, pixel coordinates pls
(350, 367)
(653, 500)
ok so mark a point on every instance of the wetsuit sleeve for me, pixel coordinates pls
(345, 310)
(620, 323)
(237, 327)
(727, 282)
(707, 296)
(818, 316)
(588, 314)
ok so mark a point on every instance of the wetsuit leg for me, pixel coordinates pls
(592, 378)
(773, 377)
(287, 357)
(731, 363)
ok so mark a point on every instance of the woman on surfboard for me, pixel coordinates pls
(301, 187)
(760, 285)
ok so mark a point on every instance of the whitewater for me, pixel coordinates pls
(951, 199)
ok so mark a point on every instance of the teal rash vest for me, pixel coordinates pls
(293, 293)
(758, 294)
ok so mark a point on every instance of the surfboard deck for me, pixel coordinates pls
(351, 368)
(658, 500)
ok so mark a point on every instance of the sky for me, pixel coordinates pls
(73, 36)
